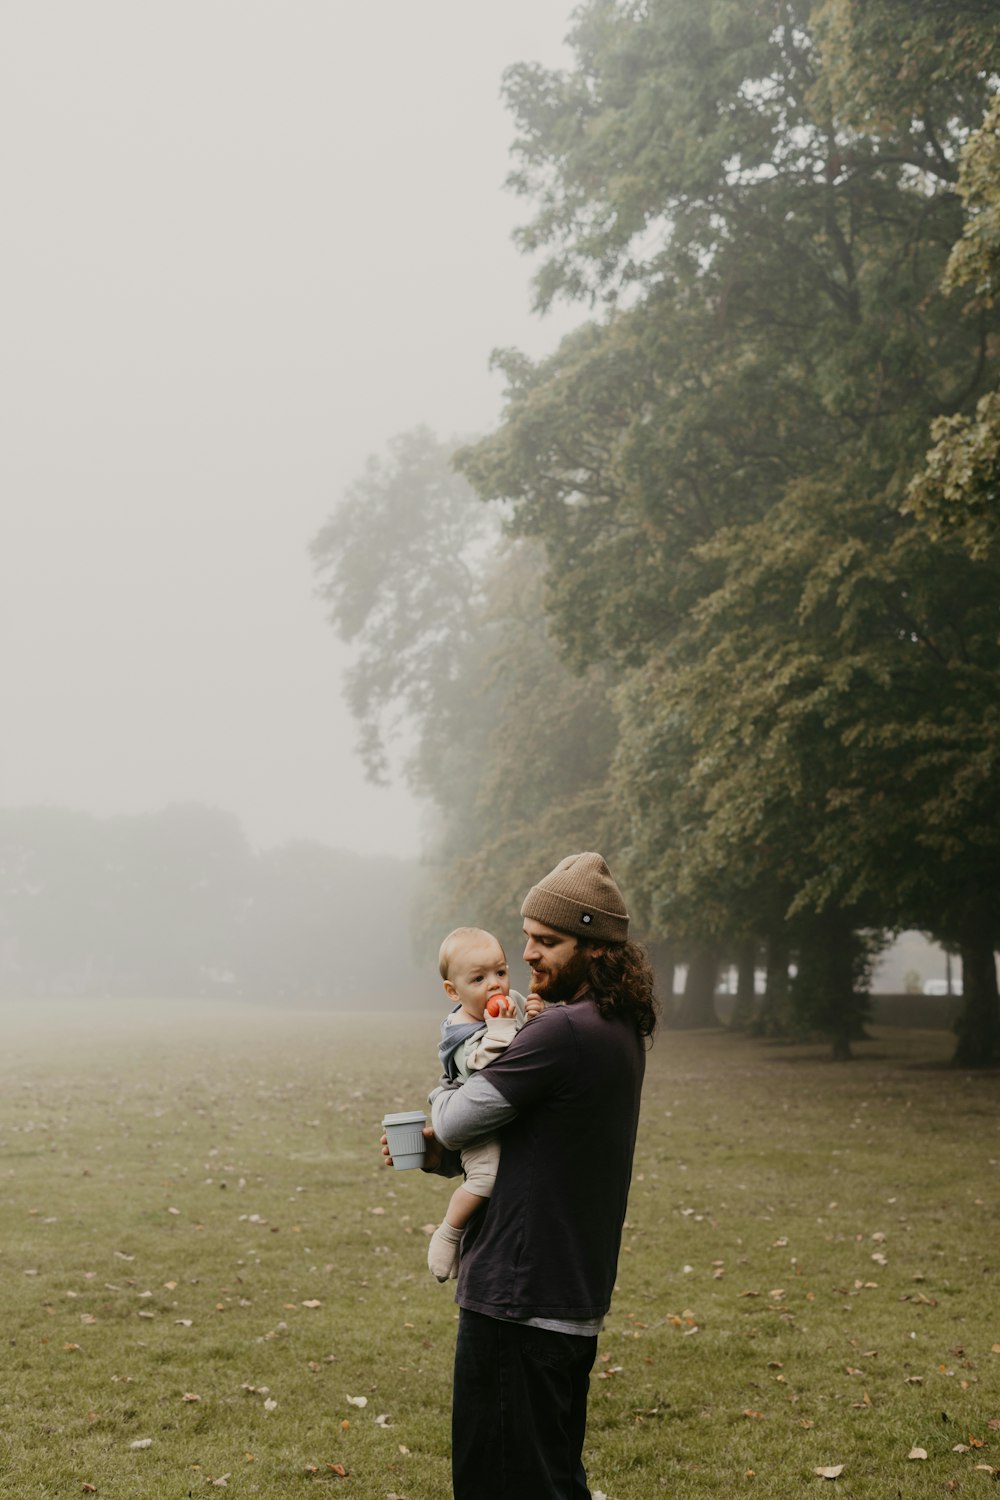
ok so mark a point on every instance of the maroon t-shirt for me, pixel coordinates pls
(546, 1244)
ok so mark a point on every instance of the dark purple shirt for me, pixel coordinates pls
(546, 1244)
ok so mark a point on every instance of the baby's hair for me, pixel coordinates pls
(457, 939)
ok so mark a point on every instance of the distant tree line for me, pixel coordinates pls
(176, 904)
(733, 615)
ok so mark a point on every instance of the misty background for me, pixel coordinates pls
(242, 245)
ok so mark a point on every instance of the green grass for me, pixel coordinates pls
(219, 1168)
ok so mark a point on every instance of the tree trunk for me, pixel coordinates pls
(663, 957)
(746, 996)
(978, 1025)
(824, 993)
(697, 1005)
(774, 1015)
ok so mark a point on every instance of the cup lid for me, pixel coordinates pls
(407, 1117)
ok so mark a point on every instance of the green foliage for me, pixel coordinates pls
(783, 220)
(766, 197)
(509, 746)
(399, 564)
(958, 493)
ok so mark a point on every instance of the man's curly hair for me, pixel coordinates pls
(623, 984)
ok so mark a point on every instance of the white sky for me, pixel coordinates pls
(243, 243)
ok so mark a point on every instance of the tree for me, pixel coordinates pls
(509, 747)
(328, 928)
(716, 467)
(958, 493)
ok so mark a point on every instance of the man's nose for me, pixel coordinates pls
(531, 951)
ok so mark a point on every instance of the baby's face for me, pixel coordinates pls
(477, 971)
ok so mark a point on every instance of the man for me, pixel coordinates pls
(538, 1263)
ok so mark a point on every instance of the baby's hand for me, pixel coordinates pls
(533, 1006)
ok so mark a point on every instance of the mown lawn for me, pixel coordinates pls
(202, 1253)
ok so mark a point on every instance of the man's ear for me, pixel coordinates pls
(594, 950)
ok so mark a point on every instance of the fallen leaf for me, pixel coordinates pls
(917, 1453)
(270, 1404)
(832, 1471)
(358, 1400)
(806, 1422)
(338, 1469)
(90, 1489)
(758, 1416)
(345, 1424)
(190, 1396)
(221, 1482)
(960, 1448)
(313, 1302)
(382, 1420)
(141, 1443)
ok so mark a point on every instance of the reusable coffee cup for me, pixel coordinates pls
(404, 1135)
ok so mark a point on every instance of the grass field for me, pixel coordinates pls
(202, 1253)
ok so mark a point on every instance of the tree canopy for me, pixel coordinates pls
(782, 221)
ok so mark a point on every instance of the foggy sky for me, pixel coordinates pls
(244, 242)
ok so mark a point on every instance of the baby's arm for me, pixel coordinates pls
(500, 1032)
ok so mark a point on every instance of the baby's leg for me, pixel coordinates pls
(480, 1163)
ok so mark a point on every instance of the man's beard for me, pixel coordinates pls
(564, 985)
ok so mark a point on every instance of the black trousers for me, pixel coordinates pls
(519, 1411)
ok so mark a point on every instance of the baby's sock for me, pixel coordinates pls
(442, 1252)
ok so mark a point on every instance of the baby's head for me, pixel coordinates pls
(473, 966)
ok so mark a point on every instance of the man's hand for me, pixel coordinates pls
(433, 1151)
(533, 1006)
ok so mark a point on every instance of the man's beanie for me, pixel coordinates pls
(580, 897)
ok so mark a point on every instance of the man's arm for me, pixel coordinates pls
(462, 1117)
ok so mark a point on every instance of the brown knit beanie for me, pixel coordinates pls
(580, 897)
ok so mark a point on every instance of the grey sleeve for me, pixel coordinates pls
(462, 1117)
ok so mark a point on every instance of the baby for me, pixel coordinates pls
(474, 969)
